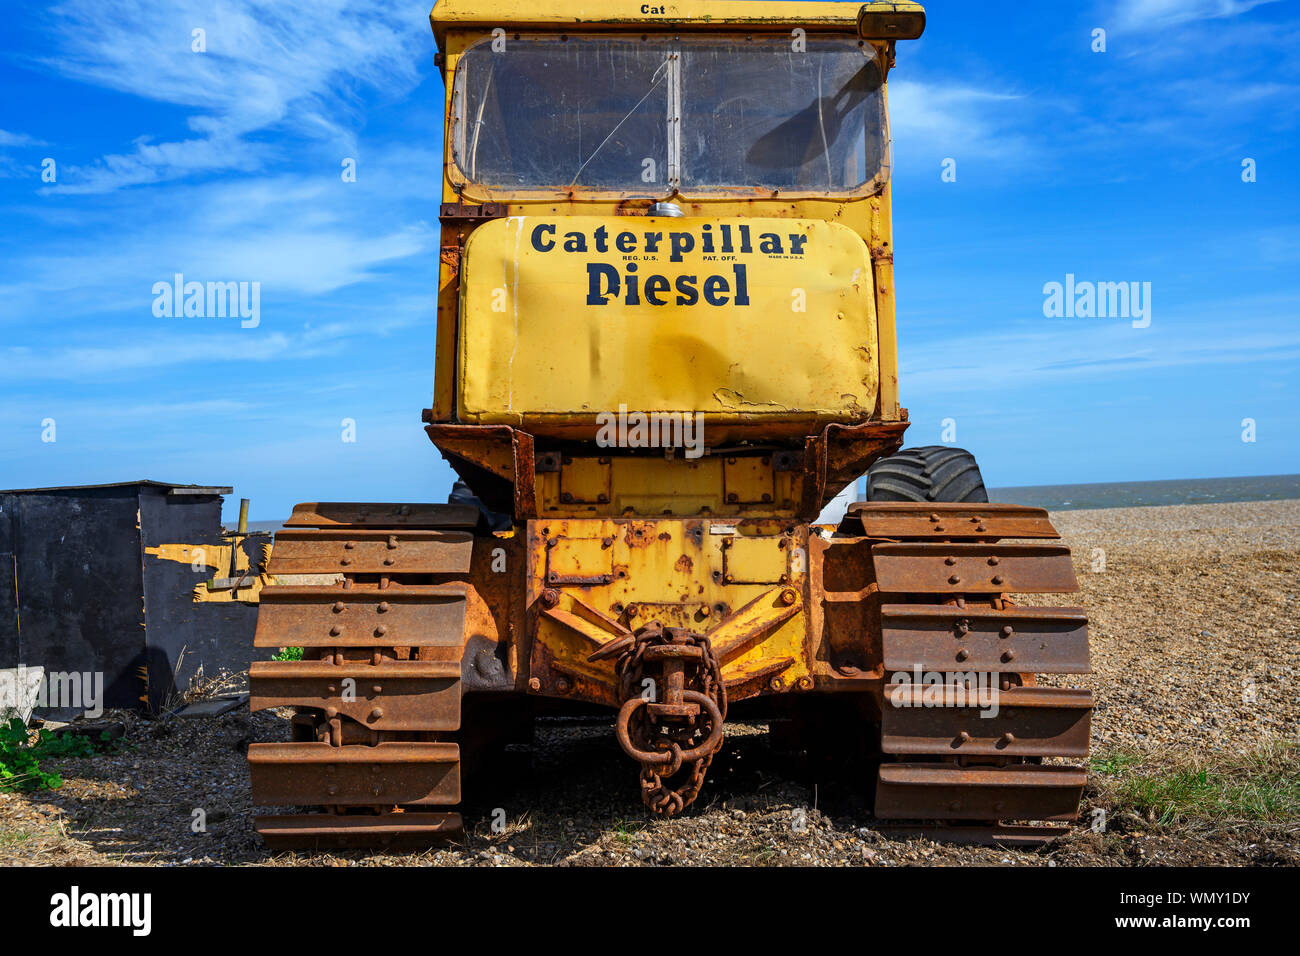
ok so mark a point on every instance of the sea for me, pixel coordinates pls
(1132, 494)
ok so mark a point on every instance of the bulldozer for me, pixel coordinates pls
(665, 342)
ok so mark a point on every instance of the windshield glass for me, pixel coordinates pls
(646, 117)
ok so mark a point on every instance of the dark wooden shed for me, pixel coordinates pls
(90, 581)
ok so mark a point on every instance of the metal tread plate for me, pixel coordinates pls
(370, 551)
(1021, 639)
(948, 520)
(944, 791)
(946, 568)
(396, 831)
(392, 695)
(325, 514)
(309, 774)
(417, 616)
(1020, 722)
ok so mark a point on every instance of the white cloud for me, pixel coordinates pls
(284, 64)
(17, 139)
(944, 118)
(1148, 14)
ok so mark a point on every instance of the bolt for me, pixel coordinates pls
(1009, 656)
(550, 597)
(934, 518)
(349, 545)
(1008, 738)
(788, 597)
(390, 561)
(993, 561)
(998, 579)
(376, 714)
(963, 654)
(534, 684)
(776, 683)
(336, 630)
(381, 630)
(804, 683)
(633, 610)
(949, 560)
(563, 686)
(339, 606)
(383, 607)
(346, 561)
(377, 689)
(955, 579)
(1008, 630)
(963, 737)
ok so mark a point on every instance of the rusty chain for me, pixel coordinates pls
(678, 731)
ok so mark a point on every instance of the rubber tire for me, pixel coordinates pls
(929, 473)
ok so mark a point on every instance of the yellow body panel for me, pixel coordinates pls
(552, 326)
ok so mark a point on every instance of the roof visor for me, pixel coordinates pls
(878, 20)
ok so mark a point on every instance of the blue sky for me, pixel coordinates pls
(225, 165)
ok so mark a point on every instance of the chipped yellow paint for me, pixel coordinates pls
(742, 584)
(216, 558)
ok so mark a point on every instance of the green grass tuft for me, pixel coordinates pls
(1262, 786)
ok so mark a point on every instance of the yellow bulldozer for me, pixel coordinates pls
(665, 342)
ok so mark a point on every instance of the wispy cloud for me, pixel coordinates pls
(944, 118)
(1148, 14)
(17, 139)
(290, 65)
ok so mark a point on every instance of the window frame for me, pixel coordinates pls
(473, 190)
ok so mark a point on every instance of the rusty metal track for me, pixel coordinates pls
(942, 521)
(417, 616)
(1037, 640)
(1020, 722)
(941, 568)
(377, 695)
(326, 514)
(395, 695)
(948, 792)
(370, 551)
(395, 831)
(964, 727)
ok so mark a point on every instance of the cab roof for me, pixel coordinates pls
(485, 15)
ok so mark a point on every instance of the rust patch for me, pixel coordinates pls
(685, 565)
(639, 534)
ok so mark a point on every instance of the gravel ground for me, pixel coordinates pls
(1195, 647)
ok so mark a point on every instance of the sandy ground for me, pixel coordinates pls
(1195, 649)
